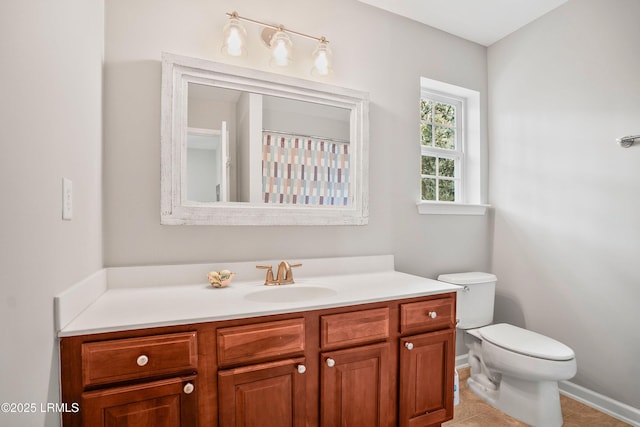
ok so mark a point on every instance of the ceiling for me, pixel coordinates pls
(481, 21)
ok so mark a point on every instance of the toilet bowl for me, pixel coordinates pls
(513, 369)
(519, 372)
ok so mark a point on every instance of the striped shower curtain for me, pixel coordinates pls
(304, 171)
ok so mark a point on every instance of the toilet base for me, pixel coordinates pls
(534, 402)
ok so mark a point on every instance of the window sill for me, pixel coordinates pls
(440, 208)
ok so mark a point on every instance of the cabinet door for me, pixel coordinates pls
(166, 403)
(355, 387)
(264, 395)
(426, 378)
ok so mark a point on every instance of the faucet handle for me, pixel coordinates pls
(269, 280)
(288, 274)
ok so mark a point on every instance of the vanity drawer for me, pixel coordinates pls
(356, 327)
(260, 341)
(106, 362)
(427, 315)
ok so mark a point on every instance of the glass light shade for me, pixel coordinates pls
(235, 38)
(322, 59)
(281, 49)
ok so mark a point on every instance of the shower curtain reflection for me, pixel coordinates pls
(304, 170)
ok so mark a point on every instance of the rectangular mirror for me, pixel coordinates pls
(247, 147)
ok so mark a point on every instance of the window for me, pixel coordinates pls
(453, 163)
(442, 147)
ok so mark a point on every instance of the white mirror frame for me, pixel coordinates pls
(178, 71)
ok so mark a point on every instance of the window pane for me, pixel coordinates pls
(428, 165)
(428, 189)
(425, 134)
(445, 138)
(444, 114)
(446, 190)
(446, 167)
(426, 110)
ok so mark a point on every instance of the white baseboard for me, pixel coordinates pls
(462, 361)
(602, 403)
(619, 410)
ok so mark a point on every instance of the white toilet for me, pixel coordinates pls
(512, 369)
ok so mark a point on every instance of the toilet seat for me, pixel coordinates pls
(525, 342)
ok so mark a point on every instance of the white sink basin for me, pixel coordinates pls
(289, 293)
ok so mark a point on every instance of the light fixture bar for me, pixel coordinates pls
(276, 27)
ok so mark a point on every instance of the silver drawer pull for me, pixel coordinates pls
(302, 369)
(331, 363)
(188, 388)
(432, 314)
(409, 345)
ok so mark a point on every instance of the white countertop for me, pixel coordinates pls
(123, 308)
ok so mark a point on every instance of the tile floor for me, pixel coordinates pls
(473, 412)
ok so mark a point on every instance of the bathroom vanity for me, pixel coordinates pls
(366, 348)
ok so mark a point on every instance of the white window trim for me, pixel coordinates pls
(474, 173)
(448, 208)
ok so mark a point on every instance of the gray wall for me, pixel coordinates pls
(50, 127)
(374, 51)
(566, 196)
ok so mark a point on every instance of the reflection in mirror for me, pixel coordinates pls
(305, 153)
(243, 146)
(207, 165)
(278, 150)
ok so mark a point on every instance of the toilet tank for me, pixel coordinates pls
(475, 301)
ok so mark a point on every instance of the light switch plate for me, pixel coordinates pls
(67, 199)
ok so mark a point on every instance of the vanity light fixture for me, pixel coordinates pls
(276, 38)
(235, 37)
(280, 44)
(322, 60)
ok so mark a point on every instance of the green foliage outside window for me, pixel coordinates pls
(437, 124)
(437, 130)
(435, 171)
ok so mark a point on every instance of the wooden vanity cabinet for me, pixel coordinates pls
(426, 362)
(355, 376)
(266, 395)
(116, 380)
(164, 403)
(383, 364)
(113, 361)
(426, 383)
(355, 386)
(259, 383)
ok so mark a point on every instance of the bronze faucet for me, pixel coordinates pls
(284, 275)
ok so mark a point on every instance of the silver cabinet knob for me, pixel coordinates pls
(409, 345)
(188, 388)
(331, 363)
(302, 369)
(432, 314)
(142, 360)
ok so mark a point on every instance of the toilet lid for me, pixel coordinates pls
(526, 342)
